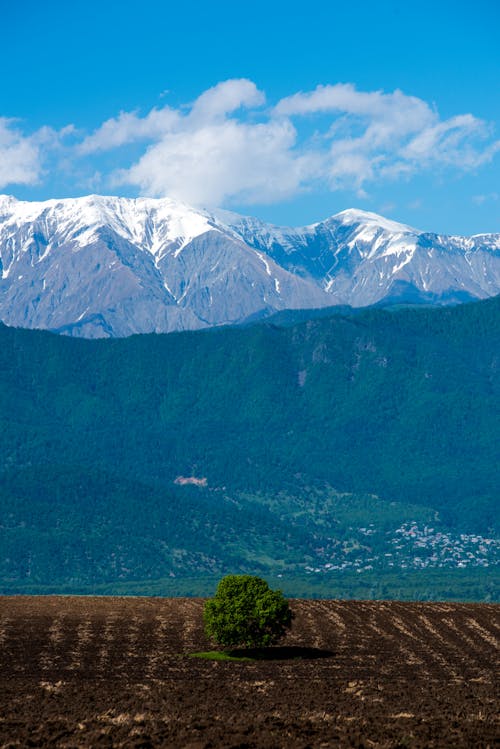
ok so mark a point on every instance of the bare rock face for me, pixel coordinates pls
(104, 266)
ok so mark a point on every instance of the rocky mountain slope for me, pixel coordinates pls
(110, 267)
(361, 259)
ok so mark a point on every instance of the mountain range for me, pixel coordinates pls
(111, 267)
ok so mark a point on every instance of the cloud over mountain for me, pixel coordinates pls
(231, 145)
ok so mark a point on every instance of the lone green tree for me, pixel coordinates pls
(245, 612)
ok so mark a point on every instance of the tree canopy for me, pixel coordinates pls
(245, 612)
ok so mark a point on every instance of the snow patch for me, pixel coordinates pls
(260, 255)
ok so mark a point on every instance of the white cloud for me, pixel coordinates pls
(209, 157)
(218, 162)
(214, 104)
(20, 162)
(227, 146)
(225, 98)
(22, 157)
(376, 136)
(212, 155)
(386, 112)
(129, 127)
(451, 142)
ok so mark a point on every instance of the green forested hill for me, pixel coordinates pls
(399, 404)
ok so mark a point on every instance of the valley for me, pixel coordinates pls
(304, 447)
(250, 328)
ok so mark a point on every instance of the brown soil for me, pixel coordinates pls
(114, 672)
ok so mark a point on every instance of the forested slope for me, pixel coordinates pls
(400, 404)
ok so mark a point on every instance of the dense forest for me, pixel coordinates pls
(399, 405)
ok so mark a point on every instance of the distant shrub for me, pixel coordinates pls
(245, 612)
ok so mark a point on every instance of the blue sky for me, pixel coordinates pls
(290, 112)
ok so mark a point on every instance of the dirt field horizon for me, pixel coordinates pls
(86, 671)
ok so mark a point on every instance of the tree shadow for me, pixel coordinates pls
(280, 653)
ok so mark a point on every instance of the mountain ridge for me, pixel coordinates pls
(103, 266)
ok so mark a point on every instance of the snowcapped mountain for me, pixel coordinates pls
(361, 259)
(106, 266)
(100, 266)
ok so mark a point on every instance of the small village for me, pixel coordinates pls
(410, 546)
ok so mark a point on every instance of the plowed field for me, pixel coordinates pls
(115, 672)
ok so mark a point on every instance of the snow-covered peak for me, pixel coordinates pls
(372, 220)
(151, 223)
(373, 235)
(6, 202)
